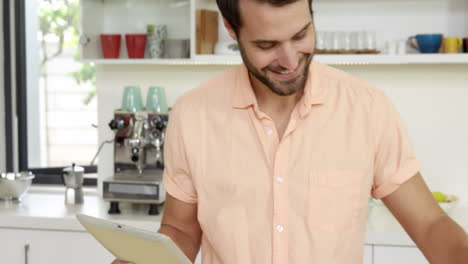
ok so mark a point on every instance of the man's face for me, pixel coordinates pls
(277, 44)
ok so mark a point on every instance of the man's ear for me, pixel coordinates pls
(230, 30)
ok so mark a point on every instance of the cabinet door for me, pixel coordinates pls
(12, 248)
(66, 247)
(51, 247)
(400, 255)
(367, 255)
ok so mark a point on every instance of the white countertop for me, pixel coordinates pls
(43, 207)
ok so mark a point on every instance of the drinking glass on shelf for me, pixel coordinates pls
(370, 40)
(401, 46)
(338, 38)
(347, 41)
(320, 41)
(353, 39)
(131, 100)
(390, 47)
(357, 40)
(156, 100)
(328, 40)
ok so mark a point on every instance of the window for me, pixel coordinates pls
(55, 93)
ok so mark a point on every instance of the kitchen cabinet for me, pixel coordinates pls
(391, 20)
(368, 254)
(400, 255)
(130, 17)
(30, 246)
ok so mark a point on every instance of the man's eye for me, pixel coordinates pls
(266, 46)
(300, 36)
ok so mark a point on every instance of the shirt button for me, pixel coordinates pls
(279, 180)
(269, 132)
(279, 228)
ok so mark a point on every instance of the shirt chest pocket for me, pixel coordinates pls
(334, 199)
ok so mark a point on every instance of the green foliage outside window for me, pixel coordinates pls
(59, 19)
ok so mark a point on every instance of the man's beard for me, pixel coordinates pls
(281, 88)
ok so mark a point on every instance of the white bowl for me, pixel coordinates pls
(449, 206)
(13, 188)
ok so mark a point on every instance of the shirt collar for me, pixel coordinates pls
(314, 92)
(243, 92)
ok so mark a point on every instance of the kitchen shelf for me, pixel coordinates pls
(394, 59)
(383, 59)
(140, 61)
(389, 19)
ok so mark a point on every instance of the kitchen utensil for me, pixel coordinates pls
(155, 48)
(448, 207)
(136, 44)
(110, 44)
(426, 43)
(452, 45)
(357, 39)
(320, 40)
(138, 159)
(176, 48)
(73, 178)
(370, 42)
(155, 36)
(156, 100)
(207, 31)
(131, 100)
(14, 185)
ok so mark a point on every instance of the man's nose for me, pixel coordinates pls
(288, 57)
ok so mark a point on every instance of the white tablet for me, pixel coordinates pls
(132, 244)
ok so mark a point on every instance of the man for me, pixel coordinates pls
(274, 161)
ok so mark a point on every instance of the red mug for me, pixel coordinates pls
(110, 44)
(465, 45)
(135, 45)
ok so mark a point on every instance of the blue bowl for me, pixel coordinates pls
(428, 43)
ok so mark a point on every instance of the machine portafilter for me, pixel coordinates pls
(137, 143)
(156, 138)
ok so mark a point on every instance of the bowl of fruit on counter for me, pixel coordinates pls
(446, 201)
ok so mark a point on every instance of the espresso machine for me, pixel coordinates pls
(138, 160)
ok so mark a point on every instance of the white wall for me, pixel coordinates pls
(433, 102)
(2, 102)
(432, 99)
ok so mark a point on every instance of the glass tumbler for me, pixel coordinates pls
(131, 100)
(156, 100)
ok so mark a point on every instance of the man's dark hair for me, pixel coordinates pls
(231, 11)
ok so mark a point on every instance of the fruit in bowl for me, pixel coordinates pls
(444, 198)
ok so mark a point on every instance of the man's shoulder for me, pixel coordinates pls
(340, 82)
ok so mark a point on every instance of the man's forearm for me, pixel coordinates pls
(445, 243)
(188, 244)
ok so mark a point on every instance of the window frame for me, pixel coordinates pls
(48, 175)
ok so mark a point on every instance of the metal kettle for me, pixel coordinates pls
(73, 178)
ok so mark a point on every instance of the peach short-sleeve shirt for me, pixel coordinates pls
(297, 199)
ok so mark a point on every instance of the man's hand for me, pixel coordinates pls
(180, 223)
